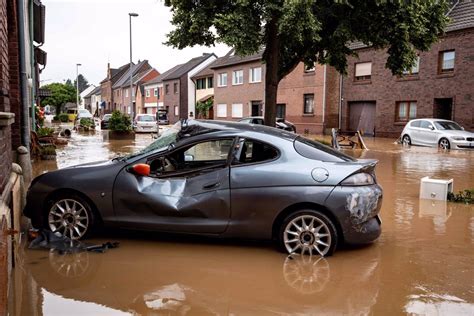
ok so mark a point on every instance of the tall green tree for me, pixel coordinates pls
(309, 31)
(61, 94)
(83, 83)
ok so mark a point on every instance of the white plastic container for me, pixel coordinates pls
(435, 189)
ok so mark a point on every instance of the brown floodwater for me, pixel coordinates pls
(422, 264)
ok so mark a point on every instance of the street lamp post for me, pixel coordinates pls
(77, 85)
(132, 107)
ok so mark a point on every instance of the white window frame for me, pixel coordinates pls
(234, 77)
(365, 70)
(252, 73)
(155, 92)
(220, 81)
(147, 93)
(237, 110)
(126, 93)
(221, 110)
(176, 110)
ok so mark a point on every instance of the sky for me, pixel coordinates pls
(94, 32)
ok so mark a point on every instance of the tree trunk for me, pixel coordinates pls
(271, 73)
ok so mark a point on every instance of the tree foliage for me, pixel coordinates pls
(202, 108)
(309, 31)
(61, 94)
(83, 83)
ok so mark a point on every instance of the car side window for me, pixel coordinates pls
(258, 121)
(253, 151)
(415, 124)
(197, 158)
(425, 124)
(246, 120)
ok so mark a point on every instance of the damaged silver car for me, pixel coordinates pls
(222, 179)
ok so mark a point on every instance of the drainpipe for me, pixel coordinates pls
(33, 68)
(341, 82)
(25, 125)
(324, 96)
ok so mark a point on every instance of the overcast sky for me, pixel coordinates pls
(94, 32)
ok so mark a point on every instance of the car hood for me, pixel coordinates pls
(91, 164)
(457, 133)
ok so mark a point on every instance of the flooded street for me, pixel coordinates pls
(423, 263)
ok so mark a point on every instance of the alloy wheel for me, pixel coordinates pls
(444, 143)
(68, 217)
(307, 234)
(406, 140)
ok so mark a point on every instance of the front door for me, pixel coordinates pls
(187, 190)
(257, 108)
(443, 108)
(362, 117)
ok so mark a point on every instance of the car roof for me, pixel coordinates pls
(232, 128)
(430, 119)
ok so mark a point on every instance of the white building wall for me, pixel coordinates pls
(192, 87)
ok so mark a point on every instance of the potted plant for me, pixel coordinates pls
(86, 124)
(120, 126)
(48, 152)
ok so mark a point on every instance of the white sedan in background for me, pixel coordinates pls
(145, 123)
(436, 132)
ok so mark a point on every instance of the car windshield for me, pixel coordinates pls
(83, 111)
(166, 139)
(447, 125)
(145, 118)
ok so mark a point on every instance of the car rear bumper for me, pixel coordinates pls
(357, 209)
(145, 129)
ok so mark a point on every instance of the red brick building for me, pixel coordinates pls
(440, 85)
(303, 95)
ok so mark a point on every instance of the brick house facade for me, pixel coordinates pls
(106, 93)
(440, 87)
(306, 97)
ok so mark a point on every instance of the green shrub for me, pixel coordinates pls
(86, 122)
(466, 196)
(48, 150)
(63, 117)
(56, 118)
(120, 122)
(45, 131)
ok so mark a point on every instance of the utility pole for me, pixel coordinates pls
(132, 107)
(77, 85)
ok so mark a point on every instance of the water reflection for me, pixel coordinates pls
(426, 302)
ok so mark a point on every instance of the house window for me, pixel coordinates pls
(363, 71)
(446, 61)
(175, 87)
(255, 74)
(210, 82)
(281, 111)
(222, 110)
(309, 68)
(415, 69)
(147, 93)
(405, 111)
(237, 110)
(167, 89)
(201, 84)
(126, 93)
(155, 92)
(308, 104)
(176, 110)
(237, 77)
(222, 80)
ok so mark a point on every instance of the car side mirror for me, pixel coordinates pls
(188, 157)
(141, 169)
(431, 127)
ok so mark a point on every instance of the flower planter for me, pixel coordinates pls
(121, 135)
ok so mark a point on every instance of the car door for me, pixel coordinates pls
(427, 133)
(194, 197)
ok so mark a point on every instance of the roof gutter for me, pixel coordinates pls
(25, 126)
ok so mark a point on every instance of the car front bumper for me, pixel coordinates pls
(357, 210)
(462, 144)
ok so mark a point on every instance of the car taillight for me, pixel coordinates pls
(359, 179)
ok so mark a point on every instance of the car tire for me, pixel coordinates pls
(70, 215)
(444, 144)
(406, 140)
(308, 232)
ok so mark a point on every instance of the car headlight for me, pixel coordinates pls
(457, 138)
(359, 179)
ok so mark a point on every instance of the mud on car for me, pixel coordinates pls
(222, 179)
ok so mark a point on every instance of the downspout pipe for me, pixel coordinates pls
(33, 68)
(25, 124)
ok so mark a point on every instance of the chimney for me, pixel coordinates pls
(109, 74)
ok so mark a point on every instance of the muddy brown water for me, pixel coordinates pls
(422, 264)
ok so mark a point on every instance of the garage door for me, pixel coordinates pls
(362, 117)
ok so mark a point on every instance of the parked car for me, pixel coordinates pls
(280, 123)
(223, 179)
(104, 123)
(72, 114)
(83, 113)
(145, 123)
(162, 118)
(436, 132)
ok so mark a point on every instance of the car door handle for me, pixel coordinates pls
(211, 186)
